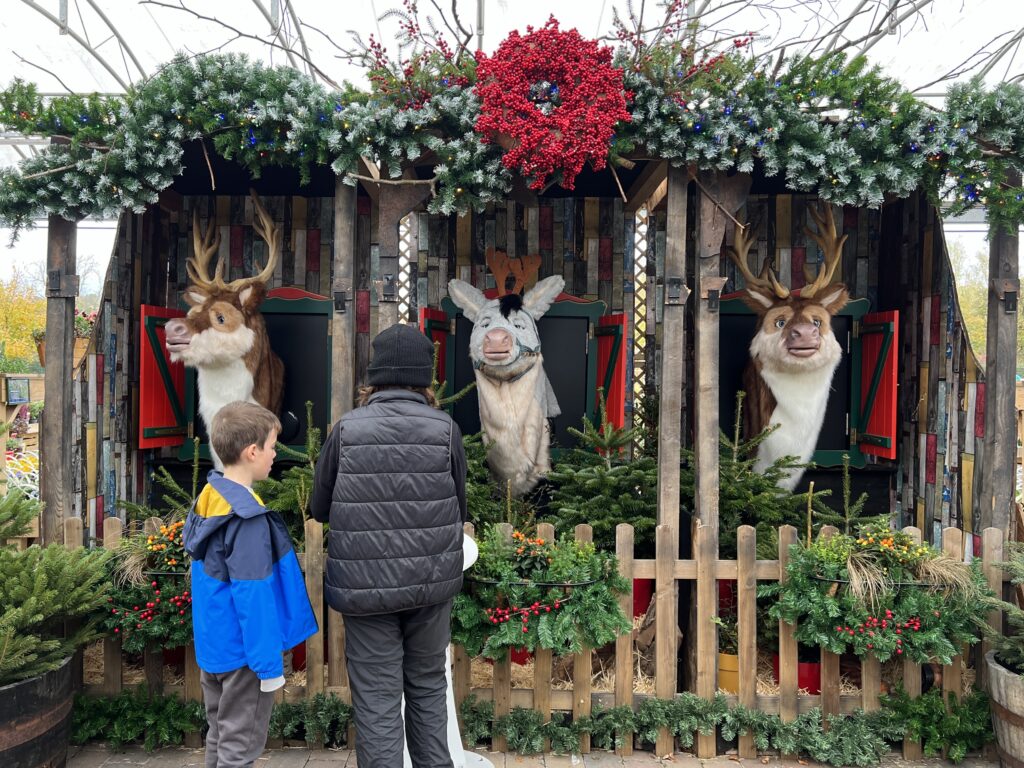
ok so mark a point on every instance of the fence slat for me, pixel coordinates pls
(829, 664)
(871, 683)
(992, 553)
(503, 670)
(112, 672)
(665, 626)
(461, 671)
(787, 638)
(542, 657)
(624, 642)
(153, 657)
(582, 666)
(707, 644)
(315, 589)
(73, 539)
(953, 546)
(912, 676)
(746, 620)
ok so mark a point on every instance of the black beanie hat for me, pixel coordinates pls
(402, 356)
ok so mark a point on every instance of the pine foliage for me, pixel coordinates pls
(40, 587)
(598, 484)
(290, 495)
(1009, 645)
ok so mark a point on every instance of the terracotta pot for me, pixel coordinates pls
(729, 672)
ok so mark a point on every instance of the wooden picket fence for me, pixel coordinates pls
(668, 572)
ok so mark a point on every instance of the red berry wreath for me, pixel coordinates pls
(552, 99)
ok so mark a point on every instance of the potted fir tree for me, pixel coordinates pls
(1006, 671)
(40, 589)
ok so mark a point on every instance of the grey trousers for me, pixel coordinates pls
(389, 654)
(238, 714)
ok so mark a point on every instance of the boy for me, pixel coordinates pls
(249, 600)
(391, 478)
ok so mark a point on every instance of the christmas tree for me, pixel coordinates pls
(290, 495)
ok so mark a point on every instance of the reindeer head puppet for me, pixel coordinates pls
(224, 330)
(794, 333)
(505, 344)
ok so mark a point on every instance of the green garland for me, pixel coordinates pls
(831, 126)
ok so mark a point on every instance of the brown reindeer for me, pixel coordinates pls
(794, 353)
(223, 336)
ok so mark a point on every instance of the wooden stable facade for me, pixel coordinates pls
(359, 260)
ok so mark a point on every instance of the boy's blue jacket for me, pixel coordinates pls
(249, 600)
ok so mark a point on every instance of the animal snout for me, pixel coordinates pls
(803, 339)
(177, 334)
(497, 343)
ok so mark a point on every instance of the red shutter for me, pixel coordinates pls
(611, 365)
(879, 333)
(161, 383)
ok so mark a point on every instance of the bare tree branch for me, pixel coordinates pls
(125, 49)
(52, 74)
(276, 31)
(240, 34)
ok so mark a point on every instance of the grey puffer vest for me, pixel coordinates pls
(395, 538)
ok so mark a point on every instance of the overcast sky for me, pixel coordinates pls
(945, 34)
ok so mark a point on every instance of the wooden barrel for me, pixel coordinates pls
(35, 720)
(1007, 691)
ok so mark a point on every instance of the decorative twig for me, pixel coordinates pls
(611, 167)
(209, 166)
(432, 181)
(49, 172)
(63, 85)
(714, 200)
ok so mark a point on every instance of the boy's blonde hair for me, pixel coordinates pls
(238, 425)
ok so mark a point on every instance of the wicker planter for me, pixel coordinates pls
(81, 347)
(35, 720)
(1007, 691)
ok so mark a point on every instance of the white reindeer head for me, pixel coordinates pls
(505, 343)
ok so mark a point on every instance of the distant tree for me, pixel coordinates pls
(22, 310)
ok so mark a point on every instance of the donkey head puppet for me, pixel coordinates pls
(516, 398)
(223, 336)
(794, 353)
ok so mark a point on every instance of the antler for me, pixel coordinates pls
(498, 263)
(270, 233)
(205, 245)
(831, 245)
(525, 271)
(742, 241)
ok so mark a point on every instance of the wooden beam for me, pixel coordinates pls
(343, 330)
(367, 168)
(654, 174)
(719, 198)
(57, 485)
(1004, 296)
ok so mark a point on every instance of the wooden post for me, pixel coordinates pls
(829, 664)
(665, 628)
(582, 666)
(1000, 374)
(461, 668)
(912, 676)
(315, 589)
(112, 670)
(56, 484)
(502, 671)
(953, 546)
(992, 551)
(624, 642)
(673, 338)
(343, 330)
(706, 552)
(719, 197)
(153, 657)
(74, 539)
(542, 657)
(787, 638)
(746, 622)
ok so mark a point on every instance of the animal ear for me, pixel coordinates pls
(835, 298)
(252, 296)
(539, 298)
(466, 297)
(195, 296)
(757, 299)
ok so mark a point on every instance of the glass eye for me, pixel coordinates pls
(780, 323)
(817, 323)
(220, 319)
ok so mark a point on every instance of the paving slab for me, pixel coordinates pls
(602, 760)
(289, 757)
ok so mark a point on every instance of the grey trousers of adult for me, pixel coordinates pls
(389, 654)
(239, 715)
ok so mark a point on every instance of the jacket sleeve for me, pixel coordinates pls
(251, 572)
(325, 475)
(459, 469)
